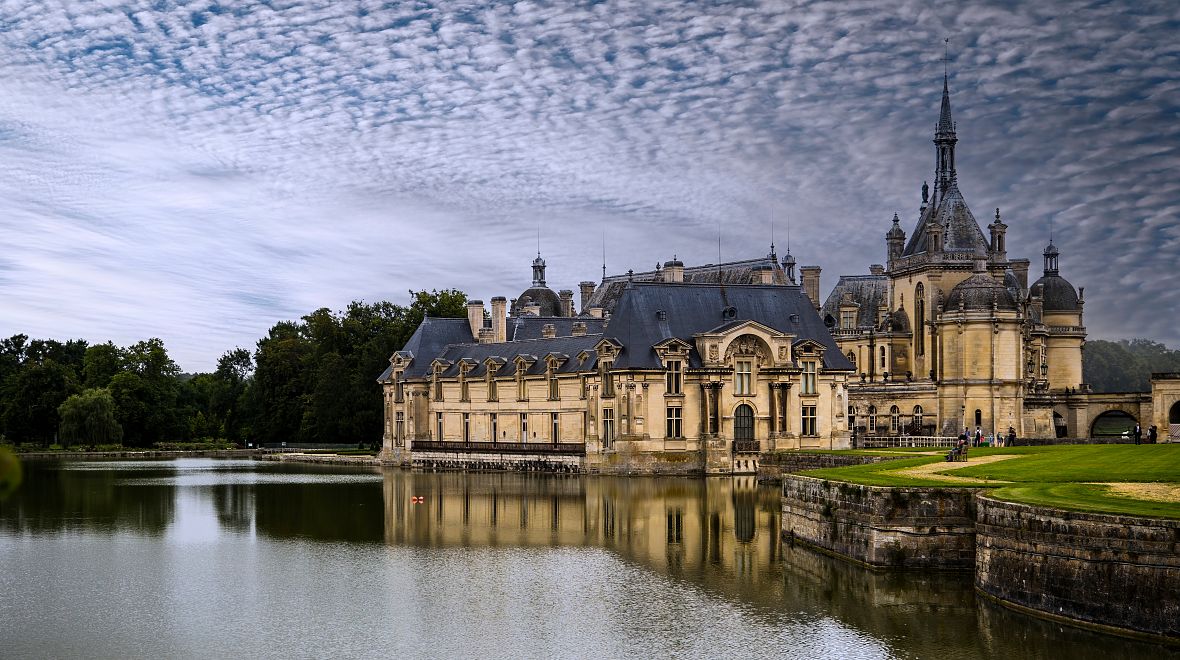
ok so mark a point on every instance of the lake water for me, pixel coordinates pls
(219, 558)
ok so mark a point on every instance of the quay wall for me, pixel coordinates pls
(1105, 570)
(882, 527)
(772, 467)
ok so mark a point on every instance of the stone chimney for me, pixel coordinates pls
(763, 275)
(579, 329)
(475, 317)
(486, 335)
(674, 270)
(810, 276)
(548, 331)
(877, 269)
(1020, 270)
(532, 308)
(587, 290)
(499, 323)
(567, 302)
(596, 312)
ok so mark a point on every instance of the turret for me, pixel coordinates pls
(944, 141)
(894, 241)
(998, 250)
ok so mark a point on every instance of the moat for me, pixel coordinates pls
(211, 558)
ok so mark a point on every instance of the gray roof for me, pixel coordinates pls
(530, 327)
(867, 291)
(545, 297)
(961, 233)
(429, 340)
(979, 292)
(608, 292)
(1057, 294)
(692, 309)
(534, 350)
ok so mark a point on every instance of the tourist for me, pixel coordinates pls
(1011, 436)
(1152, 434)
(1138, 433)
(978, 436)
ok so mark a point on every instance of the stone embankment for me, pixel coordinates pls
(324, 459)
(131, 454)
(772, 467)
(1116, 573)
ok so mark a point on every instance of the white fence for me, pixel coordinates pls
(887, 441)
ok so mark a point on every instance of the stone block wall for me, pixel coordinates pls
(898, 527)
(1102, 569)
(771, 467)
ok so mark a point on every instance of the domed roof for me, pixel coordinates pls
(674, 262)
(539, 295)
(1057, 294)
(978, 293)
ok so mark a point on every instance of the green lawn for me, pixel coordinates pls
(1067, 476)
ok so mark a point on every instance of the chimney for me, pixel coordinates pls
(548, 331)
(499, 310)
(533, 309)
(579, 329)
(763, 275)
(1020, 269)
(587, 290)
(877, 269)
(567, 302)
(596, 312)
(810, 276)
(475, 317)
(674, 270)
(486, 335)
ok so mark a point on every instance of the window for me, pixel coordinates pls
(438, 425)
(554, 386)
(494, 425)
(848, 318)
(582, 386)
(743, 371)
(894, 419)
(608, 426)
(808, 426)
(398, 388)
(672, 377)
(524, 427)
(674, 427)
(554, 428)
(808, 377)
(917, 419)
(466, 427)
(872, 428)
(852, 358)
(882, 358)
(852, 417)
(920, 320)
(608, 384)
(399, 429)
(438, 386)
(464, 387)
(522, 386)
(493, 391)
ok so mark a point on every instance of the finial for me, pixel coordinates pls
(630, 274)
(925, 193)
(946, 50)
(896, 219)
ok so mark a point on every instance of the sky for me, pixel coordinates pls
(197, 171)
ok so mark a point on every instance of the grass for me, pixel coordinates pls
(1065, 476)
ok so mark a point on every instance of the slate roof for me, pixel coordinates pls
(961, 232)
(530, 327)
(534, 349)
(691, 309)
(979, 292)
(429, 340)
(1057, 294)
(549, 301)
(611, 288)
(868, 291)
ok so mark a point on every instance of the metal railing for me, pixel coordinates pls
(561, 448)
(888, 441)
(746, 446)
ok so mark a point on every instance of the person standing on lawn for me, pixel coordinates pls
(1138, 433)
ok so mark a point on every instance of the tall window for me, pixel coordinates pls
(920, 320)
(398, 389)
(808, 426)
(672, 377)
(438, 425)
(494, 424)
(582, 386)
(524, 427)
(852, 417)
(554, 386)
(872, 428)
(742, 377)
(852, 358)
(464, 387)
(608, 426)
(493, 390)
(554, 428)
(466, 427)
(894, 419)
(674, 427)
(608, 385)
(438, 385)
(917, 419)
(808, 377)
(882, 358)
(522, 386)
(399, 429)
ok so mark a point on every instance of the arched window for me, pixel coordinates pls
(917, 419)
(920, 320)
(872, 428)
(894, 419)
(852, 358)
(978, 417)
(743, 423)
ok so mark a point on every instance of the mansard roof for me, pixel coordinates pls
(535, 351)
(608, 292)
(530, 327)
(690, 309)
(961, 232)
(429, 340)
(867, 292)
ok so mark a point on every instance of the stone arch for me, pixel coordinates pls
(1174, 414)
(1112, 424)
(749, 345)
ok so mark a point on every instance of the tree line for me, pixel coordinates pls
(1126, 365)
(306, 381)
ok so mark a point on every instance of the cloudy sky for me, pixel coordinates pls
(198, 171)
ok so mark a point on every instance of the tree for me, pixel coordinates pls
(89, 418)
(101, 363)
(1126, 365)
(29, 400)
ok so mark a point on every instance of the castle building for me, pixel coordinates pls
(704, 369)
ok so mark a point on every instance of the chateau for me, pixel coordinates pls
(705, 369)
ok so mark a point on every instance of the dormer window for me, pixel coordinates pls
(809, 375)
(493, 394)
(848, 318)
(522, 386)
(554, 385)
(437, 382)
(398, 387)
(608, 384)
(673, 377)
(464, 387)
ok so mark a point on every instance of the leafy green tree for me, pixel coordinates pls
(101, 363)
(89, 418)
(30, 397)
(280, 383)
(1126, 365)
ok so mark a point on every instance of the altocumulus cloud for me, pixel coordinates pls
(197, 171)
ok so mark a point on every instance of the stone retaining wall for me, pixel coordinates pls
(1102, 569)
(899, 527)
(772, 467)
(445, 460)
(324, 459)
